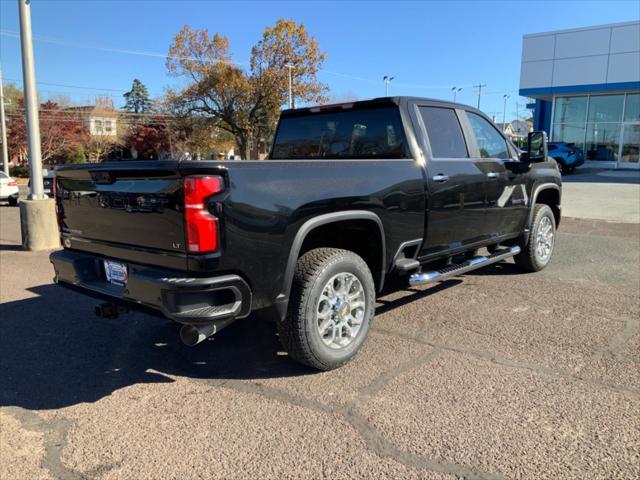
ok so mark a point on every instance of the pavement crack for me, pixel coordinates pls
(383, 379)
(55, 439)
(371, 437)
(521, 365)
(384, 448)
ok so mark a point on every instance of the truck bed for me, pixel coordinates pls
(134, 211)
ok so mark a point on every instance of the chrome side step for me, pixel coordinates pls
(464, 267)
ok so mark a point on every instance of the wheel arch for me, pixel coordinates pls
(548, 194)
(306, 231)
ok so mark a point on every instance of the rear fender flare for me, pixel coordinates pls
(282, 299)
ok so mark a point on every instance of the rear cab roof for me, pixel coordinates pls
(400, 101)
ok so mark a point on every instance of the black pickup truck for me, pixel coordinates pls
(352, 197)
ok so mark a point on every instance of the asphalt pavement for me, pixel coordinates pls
(496, 374)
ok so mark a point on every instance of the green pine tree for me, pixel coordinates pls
(137, 99)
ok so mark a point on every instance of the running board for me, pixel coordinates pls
(464, 267)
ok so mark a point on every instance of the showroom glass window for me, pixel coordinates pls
(569, 120)
(631, 130)
(605, 127)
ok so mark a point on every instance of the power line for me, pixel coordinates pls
(72, 86)
(57, 41)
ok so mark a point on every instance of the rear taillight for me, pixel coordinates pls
(12, 184)
(201, 225)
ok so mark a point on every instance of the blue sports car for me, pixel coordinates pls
(567, 155)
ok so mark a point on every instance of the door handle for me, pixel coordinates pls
(493, 175)
(440, 178)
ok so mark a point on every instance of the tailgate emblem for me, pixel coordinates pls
(177, 245)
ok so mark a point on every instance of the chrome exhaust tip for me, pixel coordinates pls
(192, 335)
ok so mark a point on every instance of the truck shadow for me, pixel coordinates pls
(56, 353)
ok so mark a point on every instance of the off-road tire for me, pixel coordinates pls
(527, 259)
(298, 333)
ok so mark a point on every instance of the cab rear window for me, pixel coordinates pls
(372, 133)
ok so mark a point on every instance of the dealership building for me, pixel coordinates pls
(586, 87)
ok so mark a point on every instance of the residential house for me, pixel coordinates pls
(505, 128)
(98, 120)
(521, 129)
(517, 130)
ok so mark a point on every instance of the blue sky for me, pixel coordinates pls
(100, 46)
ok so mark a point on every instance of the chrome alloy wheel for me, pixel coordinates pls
(544, 239)
(340, 310)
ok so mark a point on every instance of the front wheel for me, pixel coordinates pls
(330, 308)
(536, 254)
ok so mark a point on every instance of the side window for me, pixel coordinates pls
(444, 132)
(490, 142)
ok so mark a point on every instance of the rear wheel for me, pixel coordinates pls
(536, 254)
(330, 308)
(13, 201)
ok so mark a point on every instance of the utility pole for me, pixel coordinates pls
(38, 221)
(3, 130)
(504, 111)
(31, 101)
(387, 80)
(455, 91)
(290, 102)
(518, 110)
(480, 86)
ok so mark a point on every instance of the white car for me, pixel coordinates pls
(8, 189)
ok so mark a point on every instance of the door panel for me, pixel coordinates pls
(507, 199)
(506, 196)
(456, 205)
(455, 183)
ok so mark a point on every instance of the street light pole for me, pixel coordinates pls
(455, 91)
(31, 101)
(38, 220)
(387, 80)
(504, 112)
(290, 102)
(3, 130)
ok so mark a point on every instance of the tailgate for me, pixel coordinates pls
(138, 204)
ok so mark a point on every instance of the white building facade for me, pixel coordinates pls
(586, 86)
